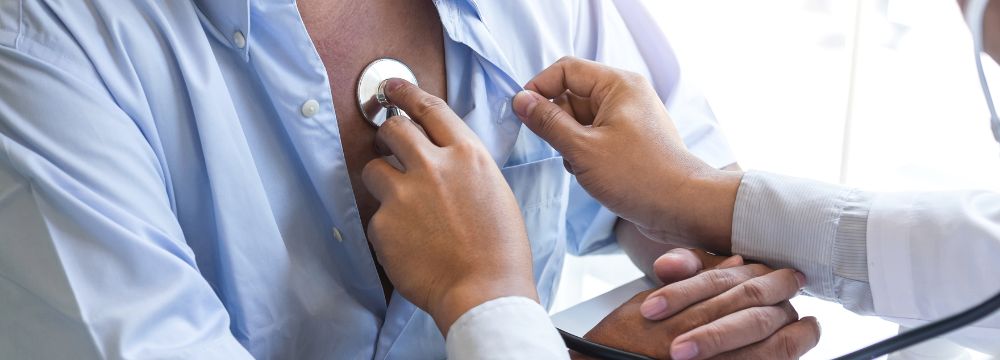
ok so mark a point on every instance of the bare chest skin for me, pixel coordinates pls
(350, 34)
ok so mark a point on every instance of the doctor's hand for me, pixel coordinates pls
(729, 310)
(448, 231)
(617, 138)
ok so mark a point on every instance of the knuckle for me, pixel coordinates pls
(547, 118)
(763, 321)
(428, 106)
(714, 337)
(755, 291)
(788, 346)
(465, 146)
(568, 59)
(719, 278)
(679, 291)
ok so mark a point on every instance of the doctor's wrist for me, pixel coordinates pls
(707, 212)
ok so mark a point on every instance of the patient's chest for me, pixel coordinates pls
(349, 35)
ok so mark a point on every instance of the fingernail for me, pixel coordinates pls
(801, 279)
(392, 84)
(653, 307)
(684, 351)
(524, 102)
(673, 254)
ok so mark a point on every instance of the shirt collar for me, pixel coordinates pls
(463, 23)
(230, 16)
(227, 17)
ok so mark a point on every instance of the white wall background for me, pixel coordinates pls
(880, 94)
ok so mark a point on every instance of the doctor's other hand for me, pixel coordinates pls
(448, 230)
(728, 310)
(615, 135)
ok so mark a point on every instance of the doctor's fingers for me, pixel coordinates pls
(733, 331)
(380, 178)
(791, 342)
(718, 292)
(579, 107)
(404, 139)
(550, 122)
(441, 123)
(583, 77)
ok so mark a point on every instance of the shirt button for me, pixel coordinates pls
(309, 108)
(239, 40)
(337, 235)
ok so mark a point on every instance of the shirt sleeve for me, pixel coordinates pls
(93, 263)
(505, 328)
(816, 228)
(623, 34)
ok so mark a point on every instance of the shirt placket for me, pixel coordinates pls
(300, 92)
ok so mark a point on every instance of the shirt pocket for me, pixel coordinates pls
(541, 188)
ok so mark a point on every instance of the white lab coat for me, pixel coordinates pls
(910, 258)
(931, 255)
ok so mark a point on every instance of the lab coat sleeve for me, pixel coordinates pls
(934, 254)
(505, 328)
(623, 34)
(907, 257)
(93, 263)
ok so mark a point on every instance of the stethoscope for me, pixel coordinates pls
(376, 108)
(975, 12)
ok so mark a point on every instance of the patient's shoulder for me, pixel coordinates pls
(74, 32)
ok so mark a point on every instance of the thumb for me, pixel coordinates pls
(547, 120)
(680, 263)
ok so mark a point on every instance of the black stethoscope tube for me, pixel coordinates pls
(927, 332)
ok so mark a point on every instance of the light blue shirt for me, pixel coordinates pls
(165, 193)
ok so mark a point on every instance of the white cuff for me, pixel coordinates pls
(506, 328)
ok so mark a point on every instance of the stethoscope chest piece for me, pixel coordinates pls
(371, 99)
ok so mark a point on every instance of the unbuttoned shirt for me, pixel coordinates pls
(172, 181)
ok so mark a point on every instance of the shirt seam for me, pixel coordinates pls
(20, 24)
(395, 340)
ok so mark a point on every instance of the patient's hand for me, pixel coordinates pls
(731, 310)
